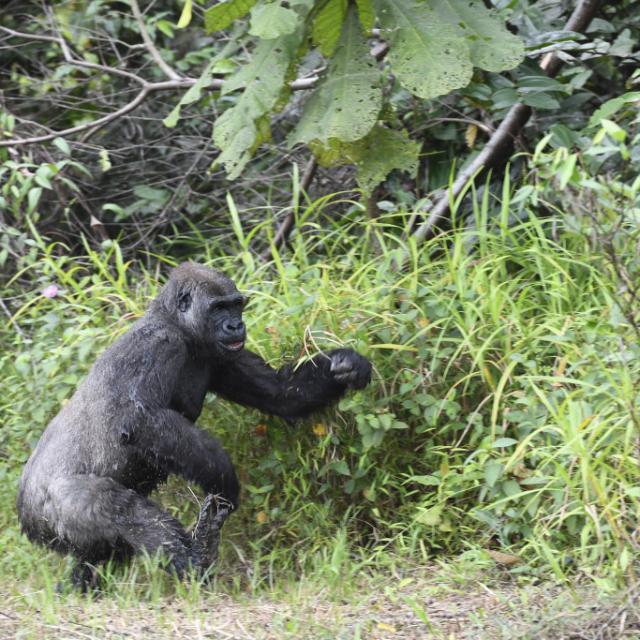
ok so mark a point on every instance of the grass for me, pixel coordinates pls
(501, 429)
(469, 598)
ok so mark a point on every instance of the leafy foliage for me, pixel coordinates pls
(426, 51)
(347, 102)
(328, 26)
(244, 126)
(489, 43)
(375, 155)
(433, 48)
(272, 20)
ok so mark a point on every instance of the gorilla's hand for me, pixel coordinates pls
(350, 368)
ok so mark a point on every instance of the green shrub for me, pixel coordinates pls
(502, 412)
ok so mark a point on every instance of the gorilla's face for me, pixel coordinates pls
(210, 309)
(225, 332)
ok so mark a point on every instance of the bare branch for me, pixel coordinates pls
(95, 124)
(83, 64)
(151, 47)
(29, 36)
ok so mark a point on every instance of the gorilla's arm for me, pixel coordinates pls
(179, 447)
(291, 392)
(163, 436)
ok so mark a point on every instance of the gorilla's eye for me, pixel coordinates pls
(184, 301)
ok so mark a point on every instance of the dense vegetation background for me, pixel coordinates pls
(500, 437)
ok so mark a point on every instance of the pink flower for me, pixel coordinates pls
(51, 291)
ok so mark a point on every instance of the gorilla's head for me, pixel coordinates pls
(208, 307)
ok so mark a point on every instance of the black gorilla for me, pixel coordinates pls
(130, 424)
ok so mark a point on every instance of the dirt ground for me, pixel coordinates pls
(412, 611)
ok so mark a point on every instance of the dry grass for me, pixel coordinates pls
(420, 605)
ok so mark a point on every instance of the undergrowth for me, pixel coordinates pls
(502, 415)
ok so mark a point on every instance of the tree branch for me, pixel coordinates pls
(175, 81)
(151, 47)
(95, 125)
(500, 142)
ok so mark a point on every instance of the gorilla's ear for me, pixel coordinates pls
(184, 300)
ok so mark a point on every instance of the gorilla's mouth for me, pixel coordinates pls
(233, 346)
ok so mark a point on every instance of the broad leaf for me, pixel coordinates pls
(366, 14)
(221, 15)
(271, 20)
(377, 154)
(610, 107)
(540, 101)
(382, 151)
(346, 103)
(242, 127)
(427, 54)
(328, 26)
(491, 45)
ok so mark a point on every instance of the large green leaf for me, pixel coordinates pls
(347, 102)
(328, 25)
(427, 53)
(242, 127)
(221, 15)
(491, 45)
(271, 20)
(366, 14)
(382, 151)
(377, 154)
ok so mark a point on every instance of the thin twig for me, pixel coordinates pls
(11, 319)
(151, 47)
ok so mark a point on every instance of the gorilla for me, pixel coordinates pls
(130, 423)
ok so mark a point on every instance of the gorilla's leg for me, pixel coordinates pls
(96, 515)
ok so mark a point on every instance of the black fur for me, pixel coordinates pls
(130, 424)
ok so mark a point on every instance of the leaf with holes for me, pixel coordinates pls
(375, 155)
(382, 151)
(348, 100)
(491, 45)
(427, 54)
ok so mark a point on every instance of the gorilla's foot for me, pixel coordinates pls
(206, 534)
(85, 578)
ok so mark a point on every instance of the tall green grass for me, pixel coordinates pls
(502, 413)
